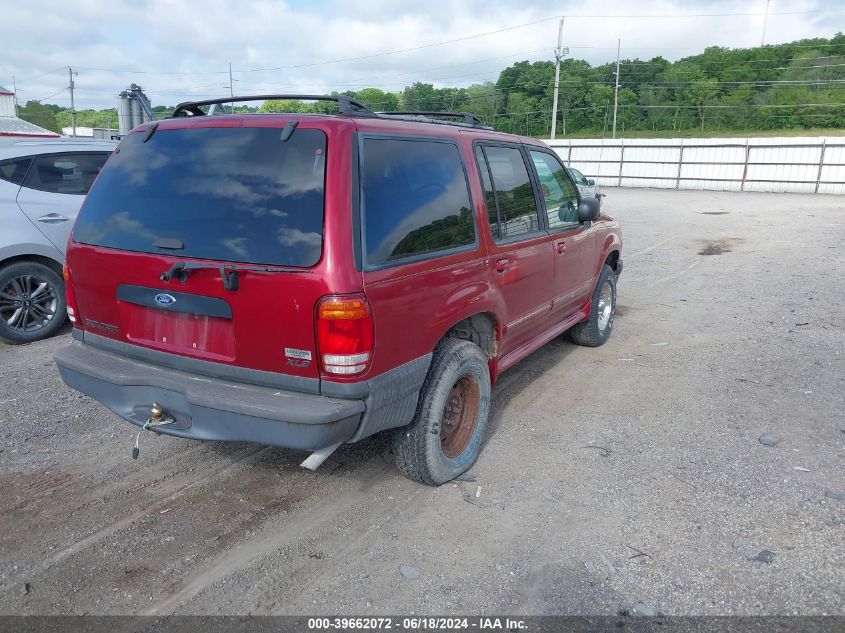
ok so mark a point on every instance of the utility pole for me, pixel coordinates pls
(72, 106)
(616, 91)
(231, 87)
(15, 97)
(765, 22)
(559, 52)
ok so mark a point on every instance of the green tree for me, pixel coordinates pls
(285, 105)
(377, 99)
(422, 96)
(40, 115)
(89, 118)
(483, 100)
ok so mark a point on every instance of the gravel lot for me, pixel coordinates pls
(632, 473)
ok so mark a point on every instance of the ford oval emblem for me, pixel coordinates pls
(165, 299)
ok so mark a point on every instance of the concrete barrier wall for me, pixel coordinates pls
(798, 165)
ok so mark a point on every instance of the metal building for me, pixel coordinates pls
(13, 127)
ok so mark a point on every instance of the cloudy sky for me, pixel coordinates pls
(179, 49)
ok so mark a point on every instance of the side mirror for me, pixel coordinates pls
(588, 209)
(591, 182)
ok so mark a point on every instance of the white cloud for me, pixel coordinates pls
(295, 237)
(163, 37)
(238, 246)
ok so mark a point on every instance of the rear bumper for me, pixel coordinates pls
(209, 408)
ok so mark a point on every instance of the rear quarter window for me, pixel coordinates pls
(70, 173)
(230, 194)
(14, 170)
(415, 199)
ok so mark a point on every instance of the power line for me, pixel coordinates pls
(152, 72)
(403, 50)
(694, 48)
(759, 82)
(334, 61)
(744, 105)
(538, 84)
(742, 68)
(49, 72)
(486, 34)
(585, 81)
(546, 113)
(252, 70)
(701, 15)
(52, 95)
(521, 83)
(729, 61)
(369, 83)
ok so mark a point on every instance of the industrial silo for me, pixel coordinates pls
(124, 113)
(133, 109)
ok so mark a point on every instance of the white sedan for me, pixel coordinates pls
(42, 186)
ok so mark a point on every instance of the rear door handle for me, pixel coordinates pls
(502, 264)
(560, 247)
(53, 218)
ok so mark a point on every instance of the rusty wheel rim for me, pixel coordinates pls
(460, 416)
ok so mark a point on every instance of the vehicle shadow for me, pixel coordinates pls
(515, 379)
(347, 460)
(350, 458)
(66, 328)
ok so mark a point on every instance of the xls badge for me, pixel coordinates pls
(298, 357)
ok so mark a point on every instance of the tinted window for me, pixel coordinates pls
(489, 195)
(514, 193)
(559, 193)
(65, 173)
(14, 170)
(415, 199)
(232, 194)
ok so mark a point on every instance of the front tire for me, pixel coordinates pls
(597, 328)
(445, 436)
(32, 302)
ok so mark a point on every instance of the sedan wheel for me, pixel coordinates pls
(32, 302)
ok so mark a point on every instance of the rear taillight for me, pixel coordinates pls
(70, 296)
(344, 334)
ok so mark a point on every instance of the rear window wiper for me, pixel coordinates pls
(229, 273)
(149, 133)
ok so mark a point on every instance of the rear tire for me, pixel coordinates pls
(445, 436)
(32, 302)
(597, 328)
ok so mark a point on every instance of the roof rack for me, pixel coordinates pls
(345, 105)
(469, 118)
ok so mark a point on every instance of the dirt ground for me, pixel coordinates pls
(632, 473)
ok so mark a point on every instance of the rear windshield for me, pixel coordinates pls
(233, 194)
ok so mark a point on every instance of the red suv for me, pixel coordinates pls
(307, 280)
